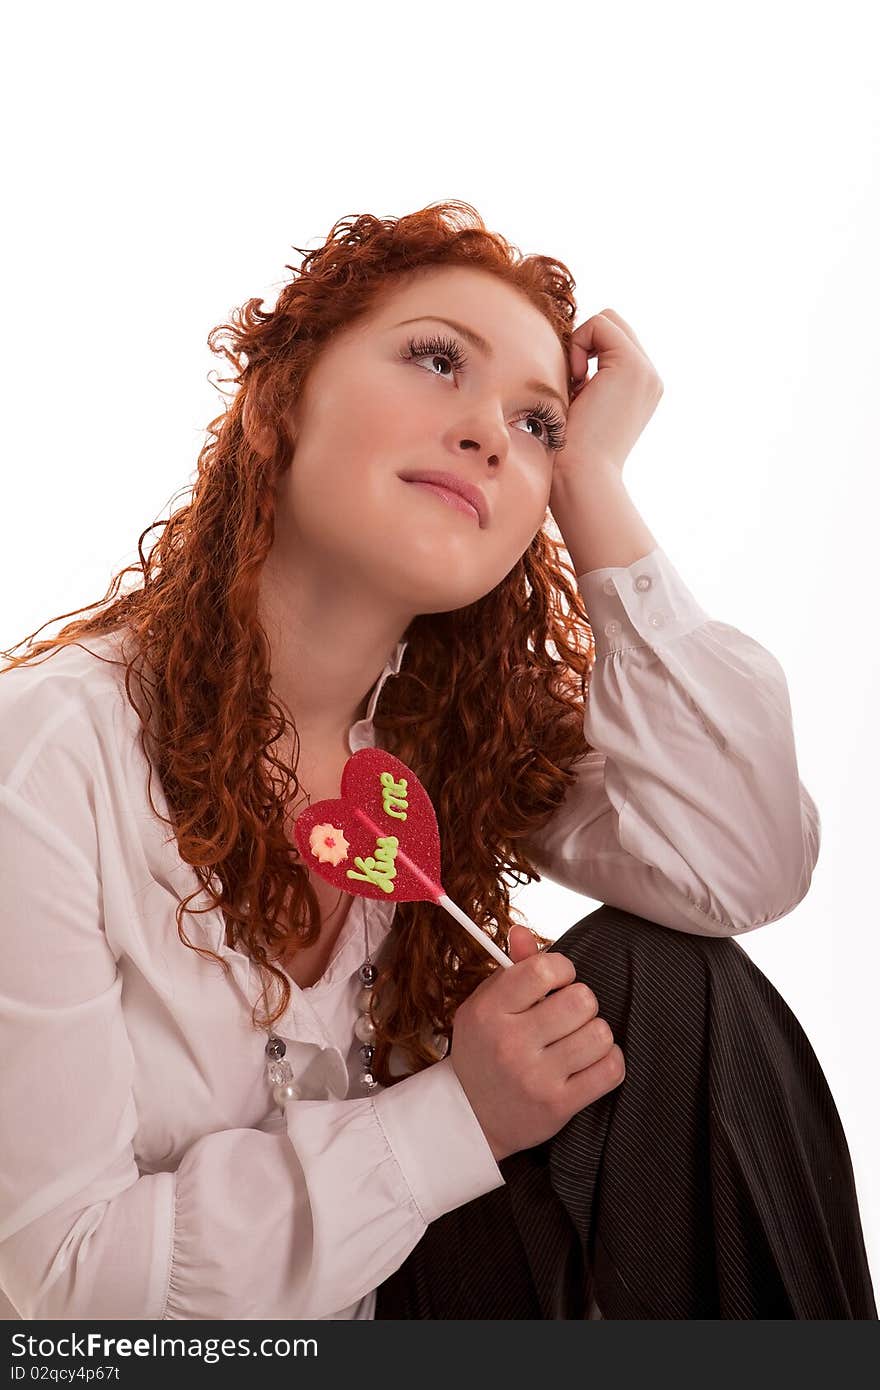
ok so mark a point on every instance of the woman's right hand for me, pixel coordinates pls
(529, 1059)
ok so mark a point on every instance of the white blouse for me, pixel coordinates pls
(145, 1171)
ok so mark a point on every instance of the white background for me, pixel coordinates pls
(710, 172)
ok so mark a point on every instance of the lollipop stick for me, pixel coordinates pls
(476, 932)
(453, 909)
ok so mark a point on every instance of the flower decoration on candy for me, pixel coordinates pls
(328, 844)
(380, 839)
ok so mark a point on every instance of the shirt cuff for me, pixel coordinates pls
(643, 604)
(437, 1140)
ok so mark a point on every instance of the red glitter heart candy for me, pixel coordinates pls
(383, 830)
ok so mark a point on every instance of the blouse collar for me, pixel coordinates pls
(361, 734)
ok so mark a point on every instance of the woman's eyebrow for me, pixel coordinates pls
(480, 343)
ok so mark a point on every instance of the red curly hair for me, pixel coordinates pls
(200, 649)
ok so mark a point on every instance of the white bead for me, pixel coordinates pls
(365, 1029)
(364, 998)
(285, 1092)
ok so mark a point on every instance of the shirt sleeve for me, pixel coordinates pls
(689, 809)
(293, 1222)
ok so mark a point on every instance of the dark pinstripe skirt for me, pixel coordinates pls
(714, 1182)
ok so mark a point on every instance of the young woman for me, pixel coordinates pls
(230, 1092)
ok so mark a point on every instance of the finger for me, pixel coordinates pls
(580, 1049)
(579, 362)
(606, 332)
(563, 1012)
(523, 984)
(586, 1086)
(601, 338)
(521, 942)
(622, 323)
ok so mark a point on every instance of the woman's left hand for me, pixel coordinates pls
(609, 411)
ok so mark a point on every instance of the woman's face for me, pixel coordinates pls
(367, 415)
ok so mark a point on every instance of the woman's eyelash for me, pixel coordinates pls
(451, 348)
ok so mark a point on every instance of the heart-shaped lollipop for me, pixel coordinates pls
(380, 839)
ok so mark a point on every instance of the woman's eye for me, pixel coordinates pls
(434, 357)
(451, 351)
(437, 347)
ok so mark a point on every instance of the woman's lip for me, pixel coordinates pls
(452, 499)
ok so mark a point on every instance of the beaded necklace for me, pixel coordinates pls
(279, 1072)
